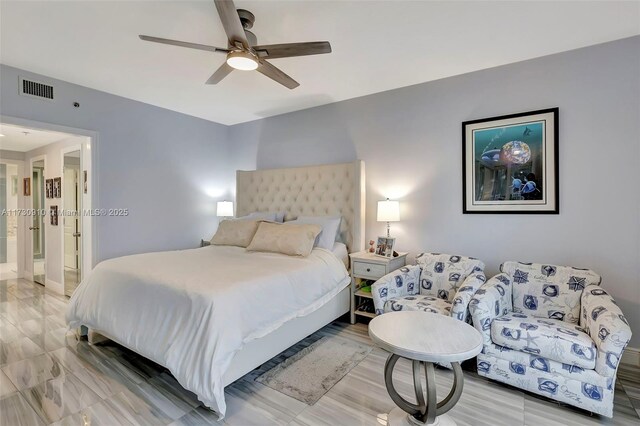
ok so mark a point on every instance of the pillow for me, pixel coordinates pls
(292, 240)
(330, 228)
(270, 216)
(235, 233)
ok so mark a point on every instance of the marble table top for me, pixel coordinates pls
(425, 336)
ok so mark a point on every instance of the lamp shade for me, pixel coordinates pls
(224, 209)
(388, 211)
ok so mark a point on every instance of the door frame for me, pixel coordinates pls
(90, 155)
(64, 151)
(30, 273)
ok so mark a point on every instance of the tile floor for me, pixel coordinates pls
(71, 280)
(8, 270)
(48, 377)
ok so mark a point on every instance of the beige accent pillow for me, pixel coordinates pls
(292, 240)
(235, 233)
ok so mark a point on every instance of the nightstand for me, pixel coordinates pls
(368, 266)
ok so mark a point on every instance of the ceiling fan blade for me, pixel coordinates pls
(183, 44)
(273, 51)
(231, 22)
(276, 74)
(220, 73)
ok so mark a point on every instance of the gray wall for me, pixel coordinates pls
(167, 168)
(11, 155)
(410, 140)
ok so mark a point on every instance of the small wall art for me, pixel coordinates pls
(57, 187)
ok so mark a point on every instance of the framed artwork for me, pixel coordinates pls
(49, 188)
(53, 211)
(510, 164)
(26, 187)
(57, 187)
(384, 246)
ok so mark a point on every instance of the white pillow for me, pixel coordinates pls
(330, 228)
(270, 216)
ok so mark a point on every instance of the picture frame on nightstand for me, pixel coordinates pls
(384, 246)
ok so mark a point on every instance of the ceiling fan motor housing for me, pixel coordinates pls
(247, 19)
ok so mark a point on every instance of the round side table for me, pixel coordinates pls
(424, 338)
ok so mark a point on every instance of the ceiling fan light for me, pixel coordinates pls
(243, 61)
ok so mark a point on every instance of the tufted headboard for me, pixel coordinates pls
(332, 189)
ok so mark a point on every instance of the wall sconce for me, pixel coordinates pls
(224, 209)
(388, 211)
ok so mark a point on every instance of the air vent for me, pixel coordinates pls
(36, 89)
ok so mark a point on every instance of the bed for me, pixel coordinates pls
(213, 314)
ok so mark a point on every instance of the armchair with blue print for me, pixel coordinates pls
(553, 331)
(438, 283)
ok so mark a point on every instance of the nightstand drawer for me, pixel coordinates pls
(373, 270)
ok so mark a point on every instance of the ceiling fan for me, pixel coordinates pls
(243, 51)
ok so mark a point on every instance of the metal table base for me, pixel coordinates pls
(427, 410)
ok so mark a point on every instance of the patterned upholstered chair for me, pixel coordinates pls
(438, 283)
(553, 331)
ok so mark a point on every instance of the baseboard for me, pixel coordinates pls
(631, 356)
(54, 286)
(27, 275)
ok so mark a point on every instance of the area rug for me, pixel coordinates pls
(312, 371)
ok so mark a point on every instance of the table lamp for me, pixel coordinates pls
(388, 211)
(224, 209)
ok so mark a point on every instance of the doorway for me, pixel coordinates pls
(38, 216)
(72, 207)
(55, 184)
(8, 222)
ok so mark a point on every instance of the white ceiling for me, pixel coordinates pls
(15, 139)
(377, 46)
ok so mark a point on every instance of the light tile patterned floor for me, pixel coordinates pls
(47, 377)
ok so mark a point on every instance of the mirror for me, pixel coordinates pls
(38, 220)
(72, 200)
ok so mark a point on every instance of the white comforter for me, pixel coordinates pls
(191, 310)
